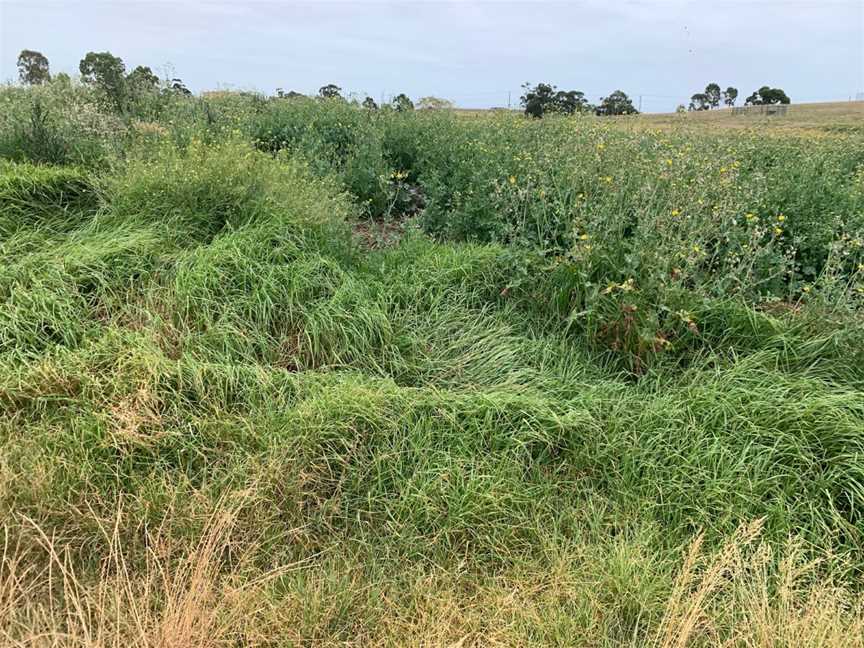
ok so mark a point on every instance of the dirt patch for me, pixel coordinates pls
(377, 234)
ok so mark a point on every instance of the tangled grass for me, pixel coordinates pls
(588, 396)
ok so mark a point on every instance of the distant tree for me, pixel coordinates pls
(699, 101)
(713, 94)
(402, 103)
(545, 98)
(177, 86)
(291, 94)
(106, 72)
(369, 104)
(434, 103)
(569, 102)
(330, 91)
(766, 96)
(33, 67)
(617, 103)
(730, 96)
(680, 109)
(537, 100)
(142, 79)
(63, 79)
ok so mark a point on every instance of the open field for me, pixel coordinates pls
(840, 116)
(295, 373)
(812, 118)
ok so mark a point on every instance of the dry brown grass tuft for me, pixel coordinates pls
(736, 597)
(202, 600)
(208, 595)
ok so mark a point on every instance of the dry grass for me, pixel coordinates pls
(805, 118)
(207, 598)
(731, 598)
(809, 118)
(199, 601)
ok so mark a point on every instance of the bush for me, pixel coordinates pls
(56, 123)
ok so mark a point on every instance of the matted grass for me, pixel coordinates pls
(553, 412)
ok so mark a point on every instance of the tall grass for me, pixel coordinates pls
(226, 419)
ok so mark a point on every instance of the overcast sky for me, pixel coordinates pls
(470, 52)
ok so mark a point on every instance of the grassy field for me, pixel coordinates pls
(807, 118)
(295, 373)
(814, 118)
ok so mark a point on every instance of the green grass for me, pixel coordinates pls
(227, 419)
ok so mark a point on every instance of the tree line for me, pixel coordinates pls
(400, 102)
(108, 73)
(120, 88)
(105, 72)
(546, 98)
(712, 96)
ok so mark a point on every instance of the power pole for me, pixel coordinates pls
(508, 100)
(640, 103)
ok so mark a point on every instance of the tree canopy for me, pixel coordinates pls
(710, 98)
(434, 103)
(33, 67)
(291, 94)
(766, 96)
(402, 102)
(617, 103)
(546, 98)
(108, 73)
(700, 101)
(330, 91)
(177, 85)
(142, 78)
(712, 93)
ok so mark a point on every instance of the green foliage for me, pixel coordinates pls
(545, 98)
(766, 96)
(42, 197)
(107, 73)
(713, 94)
(142, 79)
(730, 95)
(617, 103)
(330, 91)
(434, 103)
(33, 68)
(56, 123)
(599, 340)
(401, 103)
(700, 101)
